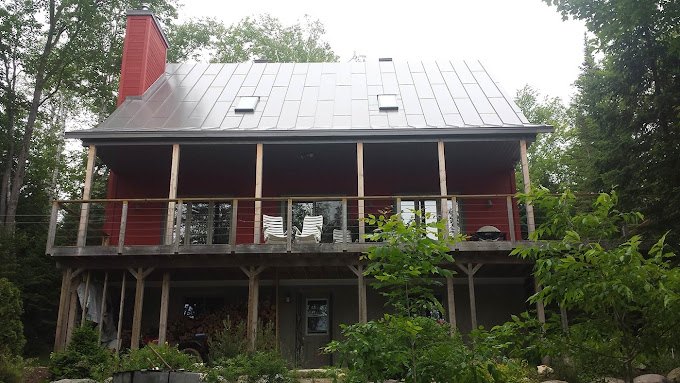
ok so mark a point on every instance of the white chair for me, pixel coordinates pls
(339, 238)
(273, 229)
(311, 229)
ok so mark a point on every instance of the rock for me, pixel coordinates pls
(74, 381)
(674, 375)
(608, 380)
(544, 370)
(650, 378)
(554, 381)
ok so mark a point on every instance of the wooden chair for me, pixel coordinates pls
(273, 229)
(311, 229)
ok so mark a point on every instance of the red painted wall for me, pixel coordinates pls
(144, 53)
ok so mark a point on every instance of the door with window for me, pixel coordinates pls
(314, 328)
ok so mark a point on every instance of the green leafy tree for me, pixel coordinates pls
(193, 39)
(265, 37)
(625, 110)
(629, 296)
(11, 329)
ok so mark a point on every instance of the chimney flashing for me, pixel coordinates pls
(147, 12)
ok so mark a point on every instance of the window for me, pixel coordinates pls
(387, 102)
(246, 104)
(317, 316)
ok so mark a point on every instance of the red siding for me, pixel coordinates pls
(144, 53)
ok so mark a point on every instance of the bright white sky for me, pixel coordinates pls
(518, 41)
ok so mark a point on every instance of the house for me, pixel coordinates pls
(199, 154)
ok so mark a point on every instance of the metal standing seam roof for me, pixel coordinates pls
(316, 97)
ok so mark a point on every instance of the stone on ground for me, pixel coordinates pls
(674, 375)
(650, 378)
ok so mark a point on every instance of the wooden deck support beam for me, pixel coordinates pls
(85, 207)
(165, 300)
(531, 224)
(360, 190)
(471, 270)
(102, 309)
(140, 275)
(120, 313)
(172, 194)
(361, 285)
(259, 155)
(253, 274)
(442, 186)
(73, 310)
(62, 316)
(451, 303)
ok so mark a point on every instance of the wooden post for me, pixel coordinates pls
(123, 226)
(211, 222)
(234, 224)
(73, 309)
(360, 190)
(531, 224)
(451, 304)
(258, 193)
(102, 309)
(172, 194)
(86, 296)
(63, 309)
(345, 234)
(187, 224)
(454, 210)
(139, 304)
(52, 231)
(289, 225)
(511, 221)
(277, 301)
(361, 286)
(120, 313)
(85, 207)
(471, 271)
(178, 224)
(253, 301)
(442, 186)
(165, 298)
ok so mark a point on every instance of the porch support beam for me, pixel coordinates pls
(172, 194)
(451, 304)
(258, 193)
(85, 207)
(62, 316)
(165, 299)
(120, 313)
(253, 274)
(360, 190)
(361, 284)
(442, 186)
(471, 270)
(140, 274)
(73, 309)
(531, 224)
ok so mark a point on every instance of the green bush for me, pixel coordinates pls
(82, 358)
(11, 330)
(145, 358)
(259, 366)
(11, 369)
(232, 340)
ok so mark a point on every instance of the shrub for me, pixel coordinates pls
(11, 369)
(11, 330)
(232, 340)
(82, 358)
(145, 358)
(259, 366)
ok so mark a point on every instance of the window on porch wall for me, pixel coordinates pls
(330, 210)
(210, 223)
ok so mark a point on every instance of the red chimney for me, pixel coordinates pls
(144, 53)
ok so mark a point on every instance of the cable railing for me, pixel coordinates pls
(244, 224)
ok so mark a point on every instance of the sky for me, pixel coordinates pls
(519, 42)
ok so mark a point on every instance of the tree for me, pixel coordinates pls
(626, 107)
(626, 299)
(265, 37)
(193, 39)
(11, 330)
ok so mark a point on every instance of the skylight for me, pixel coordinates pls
(246, 104)
(387, 102)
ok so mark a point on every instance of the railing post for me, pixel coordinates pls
(51, 234)
(344, 224)
(211, 222)
(172, 194)
(289, 226)
(178, 225)
(85, 207)
(454, 214)
(234, 223)
(442, 185)
(398, 206)
(187, 224)
(511, 220)
(123, 226)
